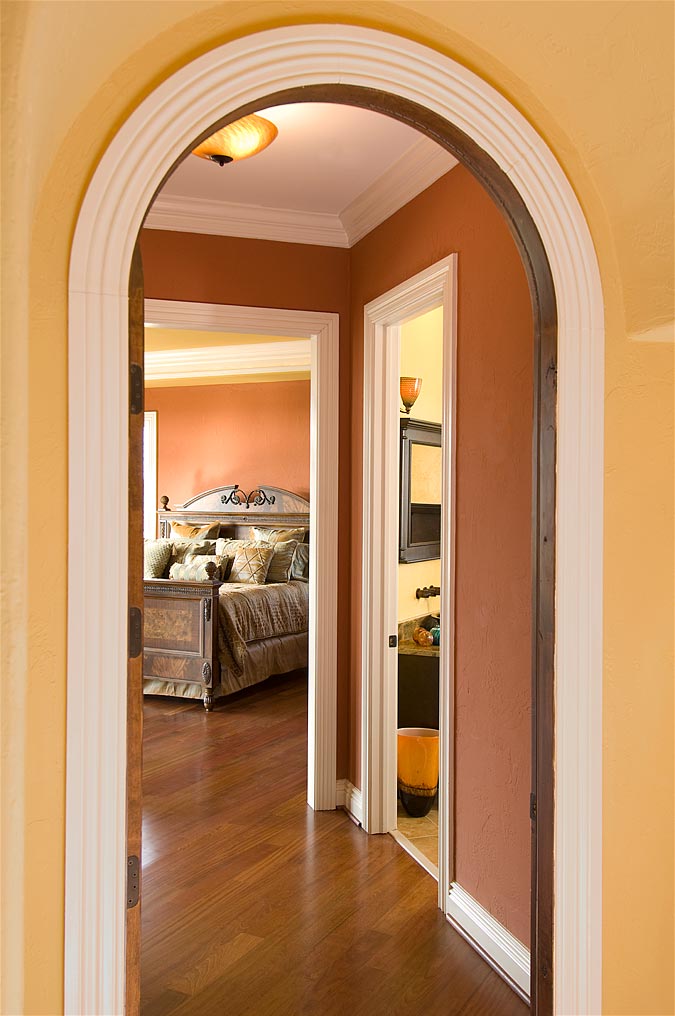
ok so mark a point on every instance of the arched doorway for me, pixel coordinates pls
(461, 112)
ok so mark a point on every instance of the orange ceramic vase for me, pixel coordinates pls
(417, 769)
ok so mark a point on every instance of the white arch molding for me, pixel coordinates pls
(125, 180)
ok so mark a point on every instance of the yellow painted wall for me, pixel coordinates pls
(596, 80)
(421, 355)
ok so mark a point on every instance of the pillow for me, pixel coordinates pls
(300, 569)
(282, 561)
(277, 535)
(181, 548)
(251, 564)
(193, 572)
(189, 531)
(223, 562)
(228, 548)
(156, 554)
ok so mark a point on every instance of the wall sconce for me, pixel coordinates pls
(410, 389)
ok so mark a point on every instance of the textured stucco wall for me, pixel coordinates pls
(491, 600)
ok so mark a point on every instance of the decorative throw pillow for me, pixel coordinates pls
(190, 531)
(228, 547)
(156, 554)
(300, 569)
(277, 535)
(251, 564)
(193, 572)
(282, 561)
(181, 548)
(223, 562)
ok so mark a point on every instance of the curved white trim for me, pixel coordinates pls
(181, 107)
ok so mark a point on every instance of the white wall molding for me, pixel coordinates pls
(183, 106)
(225, 218)
(221, 317)
(347, 796)
(502, 948)
(416, 170)
(228, 361)
(433, 287)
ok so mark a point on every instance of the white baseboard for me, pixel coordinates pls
(349, 798)
(497, 945)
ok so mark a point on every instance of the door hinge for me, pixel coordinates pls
(133, 881)
(393, 641)
(135, 389)
(135, 632)
(533, 807)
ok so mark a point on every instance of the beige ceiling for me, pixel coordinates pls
(324, 156)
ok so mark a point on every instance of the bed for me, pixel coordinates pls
(205, 638)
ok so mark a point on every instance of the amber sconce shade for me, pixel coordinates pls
(410, 389)
(239, 140)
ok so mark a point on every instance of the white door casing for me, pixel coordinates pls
(163, 125)
(433, 287)
(322, 331)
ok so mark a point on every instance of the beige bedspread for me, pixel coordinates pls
(248, 613)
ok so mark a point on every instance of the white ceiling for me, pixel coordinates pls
(332, 174)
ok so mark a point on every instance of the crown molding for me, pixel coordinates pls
(416, 170)
(224, 218)
(228, 361)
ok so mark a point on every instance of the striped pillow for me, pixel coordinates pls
(192, 572)
(282, 561)
(277, 535)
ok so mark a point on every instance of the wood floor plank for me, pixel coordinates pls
(253, 904)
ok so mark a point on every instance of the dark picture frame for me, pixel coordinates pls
(419, 524)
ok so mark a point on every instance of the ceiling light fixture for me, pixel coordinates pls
(239, 140)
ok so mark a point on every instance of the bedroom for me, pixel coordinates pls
(495, 335)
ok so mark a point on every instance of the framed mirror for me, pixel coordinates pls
(420, 491)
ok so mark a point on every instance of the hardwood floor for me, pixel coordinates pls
(253, 904)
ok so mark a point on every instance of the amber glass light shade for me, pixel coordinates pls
(239, 140)
(410, 389)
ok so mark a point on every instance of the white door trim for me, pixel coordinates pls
(150, 503)
(322, 330)
(163, 125)
(433, 287)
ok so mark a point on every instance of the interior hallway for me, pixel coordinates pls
(253, 904)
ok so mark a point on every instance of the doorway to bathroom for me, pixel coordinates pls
(408, 539)
(420, 503)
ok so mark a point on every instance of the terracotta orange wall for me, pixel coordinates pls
(492, 598)
(263, 273)
(234, 433)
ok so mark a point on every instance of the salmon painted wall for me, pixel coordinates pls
(492, 596)
(264, 273)
(232, 433)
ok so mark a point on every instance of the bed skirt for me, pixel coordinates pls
(276, 655)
